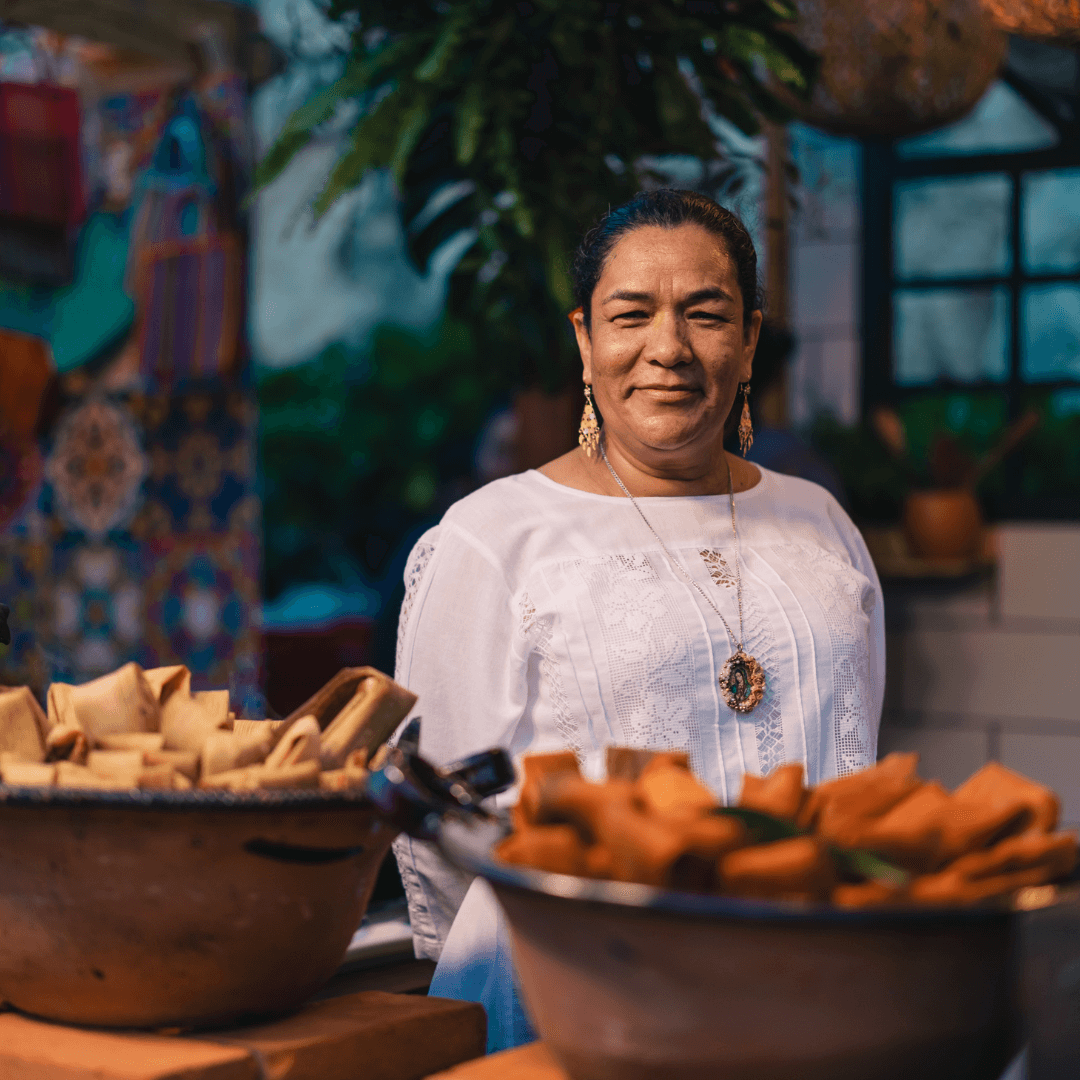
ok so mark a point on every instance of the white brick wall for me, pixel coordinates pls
(992, 670)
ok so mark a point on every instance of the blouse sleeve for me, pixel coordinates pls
(874, 606)
(460, 650)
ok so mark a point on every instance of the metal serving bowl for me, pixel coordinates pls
(638, 983)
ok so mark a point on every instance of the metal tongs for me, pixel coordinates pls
(415, 795)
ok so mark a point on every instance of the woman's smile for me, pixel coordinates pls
(668, 395)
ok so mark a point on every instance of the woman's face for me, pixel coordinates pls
(668, 346)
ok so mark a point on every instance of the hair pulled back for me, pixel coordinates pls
(667, 208)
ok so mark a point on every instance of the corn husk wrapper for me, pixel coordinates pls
(67, 743)
(163, 777)
(301, 742)
(251, 727)
(188, 720)
(26, 773)
(165, 680)
(224, 751)
(352, 776)
(121, 701)
(255, 777)
(367, 720)
(69, 775)
(117, 765)
(143, 741)
(23, 725)
(184, 762)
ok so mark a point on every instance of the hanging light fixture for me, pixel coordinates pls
(897, 67)
(1053, 21)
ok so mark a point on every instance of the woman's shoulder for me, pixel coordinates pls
(796, 504)
(504, 515)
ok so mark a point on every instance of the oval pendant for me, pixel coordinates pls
(742, 682)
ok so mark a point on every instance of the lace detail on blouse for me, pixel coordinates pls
(719, 570)
(768, 717)
(650, 655)
(414, 574)
(540, 632)
(842, 593)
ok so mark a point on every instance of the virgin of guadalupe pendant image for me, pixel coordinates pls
(742, 682)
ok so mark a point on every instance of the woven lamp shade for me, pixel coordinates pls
(1053, 21)
(897, 67)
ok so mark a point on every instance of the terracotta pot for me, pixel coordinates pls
(192, 910)
(628, 982)
(944, 524)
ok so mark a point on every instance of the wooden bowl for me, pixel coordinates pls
(179, 909)
(637, 983)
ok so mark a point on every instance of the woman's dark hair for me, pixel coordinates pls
(668, 209)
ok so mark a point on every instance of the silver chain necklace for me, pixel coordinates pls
(742, 678)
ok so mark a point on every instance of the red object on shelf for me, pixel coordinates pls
(41, 172)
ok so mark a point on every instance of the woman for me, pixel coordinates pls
(646, 589)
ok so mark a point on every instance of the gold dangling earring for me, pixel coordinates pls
(588, 435)
(746, 427)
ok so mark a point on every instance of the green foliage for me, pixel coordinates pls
(355, 448)
(875, 483)
(538, 111)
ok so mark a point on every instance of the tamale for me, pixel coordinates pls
(225, 750)
(121, 701)
(368, 720)
(300, 742)
(23, 725)
(781, 793)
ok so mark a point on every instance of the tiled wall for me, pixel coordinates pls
(992, 670)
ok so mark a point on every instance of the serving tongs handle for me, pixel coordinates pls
(415, 795)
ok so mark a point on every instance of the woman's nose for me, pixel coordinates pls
(666, 343)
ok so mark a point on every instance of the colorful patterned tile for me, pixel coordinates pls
(23, 661)
(94, 607)
(201, 449)
(96, 468)
(203, 609)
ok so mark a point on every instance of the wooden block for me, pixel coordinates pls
(37, 1050)
(374, 1035)
(532, 1062)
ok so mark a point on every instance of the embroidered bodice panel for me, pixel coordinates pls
(543, 618)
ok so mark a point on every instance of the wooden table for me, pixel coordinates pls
(371, 1035)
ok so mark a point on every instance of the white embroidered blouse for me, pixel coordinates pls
(540, 618)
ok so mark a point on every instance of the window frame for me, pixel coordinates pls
(882, 169)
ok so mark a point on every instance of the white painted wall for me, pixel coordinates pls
(992, 671)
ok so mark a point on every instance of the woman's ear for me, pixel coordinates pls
(584, 341)
(751, 333)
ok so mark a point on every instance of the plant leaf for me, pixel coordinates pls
(866, 864)
(763, 828)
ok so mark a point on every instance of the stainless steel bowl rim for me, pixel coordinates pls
(469, 846)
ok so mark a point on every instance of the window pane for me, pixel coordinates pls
(1051, 221)
(1002, 122)
(1050, 331)
(947, 228)
(956, 334)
